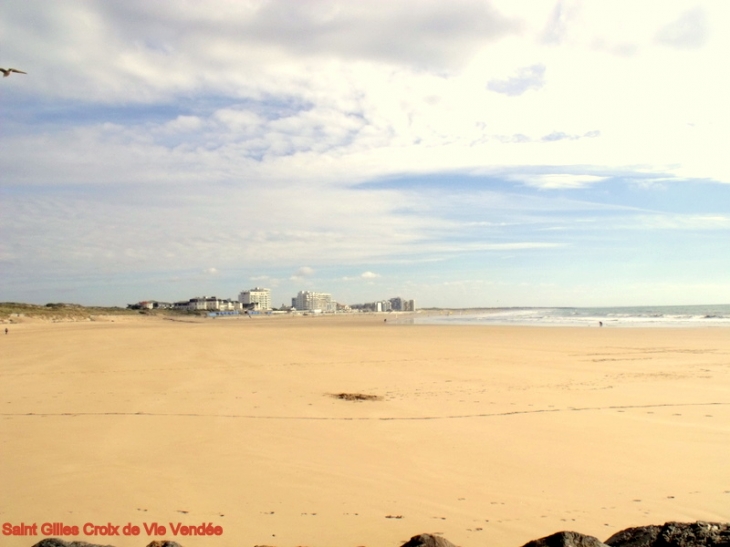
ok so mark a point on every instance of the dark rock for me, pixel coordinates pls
(566, 539)
(642, 536)
(674, 534)
(55, 542)
(428, 540)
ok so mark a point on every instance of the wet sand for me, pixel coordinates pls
(487, 435)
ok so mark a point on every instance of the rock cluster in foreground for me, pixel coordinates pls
(671, 534)
(55, 542)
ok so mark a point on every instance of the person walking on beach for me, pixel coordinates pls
(6, 330)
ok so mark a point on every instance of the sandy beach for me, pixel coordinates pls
(486, 435)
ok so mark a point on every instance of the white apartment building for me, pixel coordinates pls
(400, 304)
(383, 305)
(314, 301)
(210, 303)
(258, 298)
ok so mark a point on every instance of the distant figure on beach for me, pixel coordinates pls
(6, 330)
(600, 323)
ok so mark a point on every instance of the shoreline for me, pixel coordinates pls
(610, 317)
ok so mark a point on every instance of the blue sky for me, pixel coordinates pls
(470, 153)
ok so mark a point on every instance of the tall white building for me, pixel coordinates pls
(312, 301)
(258, 298)
(399, 304)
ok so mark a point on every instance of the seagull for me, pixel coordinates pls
(6, 71)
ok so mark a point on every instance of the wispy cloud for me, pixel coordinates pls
(689, 30)
(557, 25)
(302, 273)
(368, 276)
(558, 180)
(531, 77)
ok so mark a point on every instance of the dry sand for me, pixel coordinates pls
(488, 435)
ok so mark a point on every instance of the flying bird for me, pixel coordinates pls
(6, 71)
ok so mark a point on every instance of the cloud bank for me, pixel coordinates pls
(248, 138)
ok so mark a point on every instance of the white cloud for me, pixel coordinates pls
(558, 180)
(557, 26)
(302, 273)
(239, 98)
(690, 30)
(682, 222)
(365, 275)
(531, 77)
(139, 51)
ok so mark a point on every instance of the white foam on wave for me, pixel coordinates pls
(695, 316)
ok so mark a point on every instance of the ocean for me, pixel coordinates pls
(637, 316)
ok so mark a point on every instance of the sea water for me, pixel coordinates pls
(637, 316)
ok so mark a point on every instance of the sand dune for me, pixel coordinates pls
(489, 435)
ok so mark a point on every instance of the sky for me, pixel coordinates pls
(462, 154)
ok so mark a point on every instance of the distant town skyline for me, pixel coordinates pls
(258, 299)
(469, 153)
